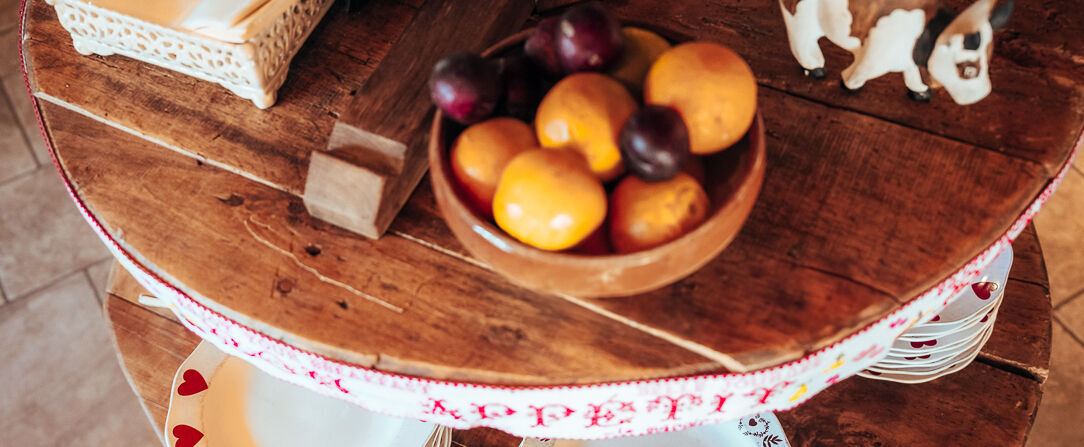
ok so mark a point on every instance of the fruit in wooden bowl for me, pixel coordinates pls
(566, 217)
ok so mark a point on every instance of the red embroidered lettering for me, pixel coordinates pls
(603, 415)
(437, 407)
(674, 404)
(720, 401)
(492, 411)
(543, 417)
(768, 392)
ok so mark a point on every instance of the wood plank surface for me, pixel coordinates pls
(851, 221)
(205, 120)
(151, 348)
(1021, 338)
(979, 405)
(376, 153)
(990, 403)
(1036, 110)
(390, 304)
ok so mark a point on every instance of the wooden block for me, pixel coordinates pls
(376, 153)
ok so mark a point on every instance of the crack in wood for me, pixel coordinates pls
(315, 272)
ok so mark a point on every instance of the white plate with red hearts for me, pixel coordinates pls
(222, 401)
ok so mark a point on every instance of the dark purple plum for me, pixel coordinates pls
(589, 38)
(654, 143)
(466, 87)
(541, 47)
(522, 87)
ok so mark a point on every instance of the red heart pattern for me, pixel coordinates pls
(919, 344)
(983, 289)
(936, 318)
(922, 357)
(193, 383)
(186, 436)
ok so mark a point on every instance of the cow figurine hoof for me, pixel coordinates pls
(843, 85)
(901, 36)
(816, 73)
(925, 96)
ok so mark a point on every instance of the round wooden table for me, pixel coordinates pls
(992, 402)
(870, 201)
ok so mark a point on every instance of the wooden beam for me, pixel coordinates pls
(376, 153)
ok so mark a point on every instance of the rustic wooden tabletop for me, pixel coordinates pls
(990, 403)
(869, 200)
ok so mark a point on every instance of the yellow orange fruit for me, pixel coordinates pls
(711, 87)
(481, 152)
(645, 215)
(585, 112)
(642, 48)
(549, 199)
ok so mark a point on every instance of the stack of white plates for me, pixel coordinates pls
(951, 339)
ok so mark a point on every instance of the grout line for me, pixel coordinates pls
(22, 129)
(1068, 331)
(3, 296)
(94, 288)
(20, 176)
(1072, 297)
(58, 278)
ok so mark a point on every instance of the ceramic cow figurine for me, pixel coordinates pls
(900, 36)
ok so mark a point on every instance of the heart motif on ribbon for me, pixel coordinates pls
(186, 436)
(193, 383)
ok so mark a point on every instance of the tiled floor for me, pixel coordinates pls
(62, 385)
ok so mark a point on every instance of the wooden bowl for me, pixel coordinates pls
(734, 177)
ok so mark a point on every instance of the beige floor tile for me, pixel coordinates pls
(15, 155)
(62, 383)
(24, 112)
(9, 48)
(1060, 412)
(9, 13)
(1072, 315)
(99, 276)
(1061, 232)
(45, 238)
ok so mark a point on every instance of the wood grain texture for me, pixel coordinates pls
(995, 406)
(276, 269)
(863, 204)
(1021, 338)
(1036, 110)
(376, 152)
(151, 349)
(979, 405)
(204, 120)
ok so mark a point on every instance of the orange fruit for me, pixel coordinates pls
(585, 112)
(642, 48)
(711, 87)
(645, 215)
(481, 152)
(549, 199)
